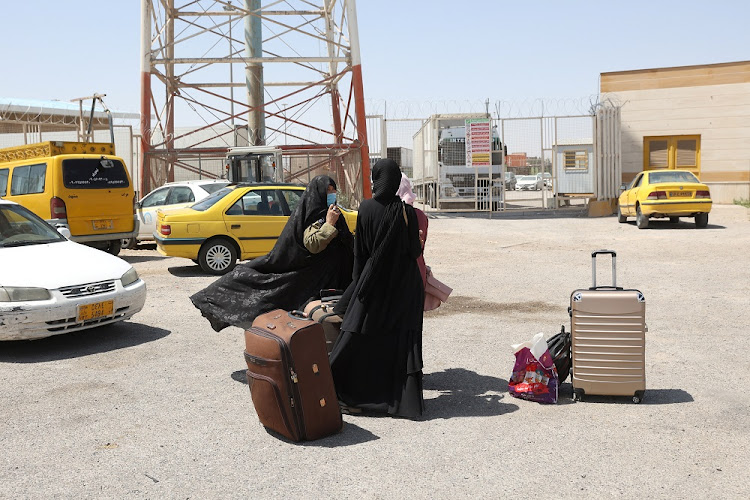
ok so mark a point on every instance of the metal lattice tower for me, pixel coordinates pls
(299, 68)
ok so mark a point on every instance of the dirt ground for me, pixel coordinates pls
(157, 407)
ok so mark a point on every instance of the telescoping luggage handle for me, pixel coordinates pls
(614, 269)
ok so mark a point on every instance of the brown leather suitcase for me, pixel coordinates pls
(608, 339)
(321, 311)
(289, 376)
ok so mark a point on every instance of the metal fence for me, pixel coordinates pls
(536, 162)
(299, 166)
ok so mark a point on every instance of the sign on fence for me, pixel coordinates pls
(478, 142)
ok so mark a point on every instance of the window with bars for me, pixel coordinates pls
(672, 152)
(576, 160)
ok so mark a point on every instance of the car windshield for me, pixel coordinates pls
(20, 227)
(212, 199)
(527, 178)
(657, 177)
(214, 186)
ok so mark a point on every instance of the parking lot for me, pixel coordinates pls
(157, 407)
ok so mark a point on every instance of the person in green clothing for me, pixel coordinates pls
(321, 232)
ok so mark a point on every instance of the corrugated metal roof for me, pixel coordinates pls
(36, 107)
(51, 116)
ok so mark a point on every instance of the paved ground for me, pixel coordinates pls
(156, 407)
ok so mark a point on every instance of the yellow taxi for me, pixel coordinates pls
(238, 221)
(664, 193)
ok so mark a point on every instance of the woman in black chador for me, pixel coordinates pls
(377, 359)
(313, 253)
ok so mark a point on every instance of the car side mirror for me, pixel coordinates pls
(623, 186)
(63, 230)
(138, 205)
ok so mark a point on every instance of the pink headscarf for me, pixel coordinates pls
(404, 190)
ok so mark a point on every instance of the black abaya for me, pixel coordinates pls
(288, 275)
(377, 360)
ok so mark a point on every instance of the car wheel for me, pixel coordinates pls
(674, 220)
(621, 218)
(217, 256)
(701, 220)
(640, 220)
(114, 247)
(129, 243)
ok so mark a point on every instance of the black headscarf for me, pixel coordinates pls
(386, 179)
(289, 252)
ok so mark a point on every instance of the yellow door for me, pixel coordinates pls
(633, 193)
(256, 220)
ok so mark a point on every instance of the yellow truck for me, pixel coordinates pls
(80, 186)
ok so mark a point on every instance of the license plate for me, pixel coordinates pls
(103, 224)
(95, 310)
(680, 194)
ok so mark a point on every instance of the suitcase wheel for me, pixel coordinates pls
(638, 397)
(577, 395)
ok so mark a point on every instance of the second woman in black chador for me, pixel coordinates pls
(377, 359)
(290, 273)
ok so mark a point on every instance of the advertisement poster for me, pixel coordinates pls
(478, 142)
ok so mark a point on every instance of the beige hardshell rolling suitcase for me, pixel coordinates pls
(608, 333)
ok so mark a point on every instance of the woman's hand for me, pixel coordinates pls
(332, 215)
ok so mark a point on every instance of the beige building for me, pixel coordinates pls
(694, 117)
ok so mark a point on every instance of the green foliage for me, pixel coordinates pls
(742, 201)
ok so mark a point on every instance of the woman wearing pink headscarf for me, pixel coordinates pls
(435, 292)
(407, 196)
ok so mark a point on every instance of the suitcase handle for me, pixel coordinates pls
(330, 292)
(593, 268)
(297, 314)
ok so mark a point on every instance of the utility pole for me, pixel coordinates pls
(256, 123)
(230, 8)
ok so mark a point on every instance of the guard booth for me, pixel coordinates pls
(574, 170)
(254, 164)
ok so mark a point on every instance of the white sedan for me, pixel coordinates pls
(171, 195)
(529, 182)
(50, 286)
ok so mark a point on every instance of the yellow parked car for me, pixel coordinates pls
(239, 221)
(664, 193)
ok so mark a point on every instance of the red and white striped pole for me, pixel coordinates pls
(144, 171)
(359, 97)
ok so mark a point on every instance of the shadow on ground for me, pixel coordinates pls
(83, 343)
(661, 225)
(464, 393)
(240, 376)
(145, 246)
(651, 397)
(514, 212)
(187, 271)
(132, 259)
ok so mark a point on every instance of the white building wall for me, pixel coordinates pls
(719, 113)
